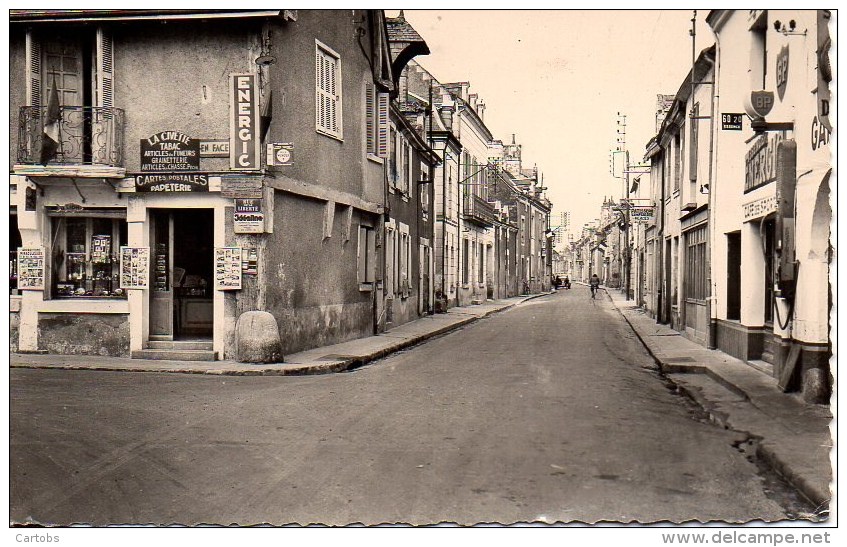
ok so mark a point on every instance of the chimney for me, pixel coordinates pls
(480, 109)
(464, 88)
(446, 113)
(403, 92)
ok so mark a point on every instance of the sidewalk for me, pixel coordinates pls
(793, 436)
(335, 358)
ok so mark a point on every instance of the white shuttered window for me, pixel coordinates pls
(327, 91)
(376, 122)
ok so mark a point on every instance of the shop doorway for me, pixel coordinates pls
(182, 245)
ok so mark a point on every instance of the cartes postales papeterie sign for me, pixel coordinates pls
(172, 182)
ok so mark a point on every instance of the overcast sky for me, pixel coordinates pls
(557, 79)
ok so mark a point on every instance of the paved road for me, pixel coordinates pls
(550, 411)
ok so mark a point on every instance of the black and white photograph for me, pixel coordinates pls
(566, 273)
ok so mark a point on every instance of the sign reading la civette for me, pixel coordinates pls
(244, 123)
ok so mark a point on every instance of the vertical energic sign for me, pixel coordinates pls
(244, 123)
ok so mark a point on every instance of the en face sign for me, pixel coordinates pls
(244, 123)
(214, 149)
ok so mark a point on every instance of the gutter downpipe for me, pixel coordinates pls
(713, 146)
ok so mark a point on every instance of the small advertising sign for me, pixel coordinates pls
(249, 217)
(760, 207)
(781, 71)
(241, 187)
(101, 249)
(641, 213)
(760, 161)
(172, 182)
(244, 123)
(31, 268)
(227, 268)
(250, 261)
(170, 151)
(280, 153)
(135, 267)
(732, 121)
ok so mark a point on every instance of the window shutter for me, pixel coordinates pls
(327, 93)
(361, 254)
(332, 69)
(320, 84)
(33, 70)
(382, 125)
(105, 69)
(692, 144)
(370, 119)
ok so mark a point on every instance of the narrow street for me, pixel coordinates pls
(551, 411)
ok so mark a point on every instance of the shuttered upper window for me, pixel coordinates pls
(376, 122)
(328, 113)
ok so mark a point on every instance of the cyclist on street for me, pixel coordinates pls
(594, 284)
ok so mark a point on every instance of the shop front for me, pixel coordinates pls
(100, 268)
(181, 305)
(68, 294)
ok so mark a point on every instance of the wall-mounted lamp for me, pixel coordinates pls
(265, 60)
(789, 29)
(704, 188)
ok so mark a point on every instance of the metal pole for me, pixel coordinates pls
(626, 250)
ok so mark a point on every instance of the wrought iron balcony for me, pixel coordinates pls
(479, 211)
(88, 136)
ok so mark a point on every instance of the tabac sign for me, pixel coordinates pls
(170, 151)
(244, 123)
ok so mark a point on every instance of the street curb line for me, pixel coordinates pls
(290, 370)
(763, 450)
(365, 359)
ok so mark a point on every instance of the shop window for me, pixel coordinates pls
(84, 256)
(14, 242)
